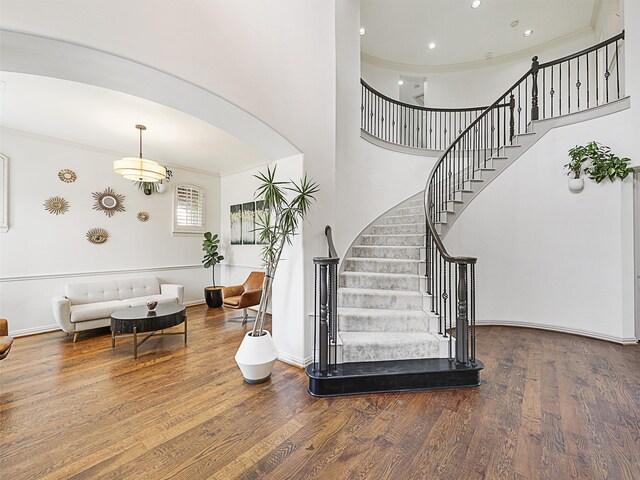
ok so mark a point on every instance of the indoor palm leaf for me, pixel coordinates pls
(286, 205)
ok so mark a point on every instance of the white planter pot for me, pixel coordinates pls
(576, 184)
(256, 357)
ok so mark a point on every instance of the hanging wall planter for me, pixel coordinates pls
(576, 184)
(602, 164)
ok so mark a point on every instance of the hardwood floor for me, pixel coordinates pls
(551, 406)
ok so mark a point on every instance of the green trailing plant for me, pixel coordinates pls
(286, 205)
(579, 154)
(211, 256)
(600, 163)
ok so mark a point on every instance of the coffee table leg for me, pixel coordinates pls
(135, 343)
(185, 329)
(113, 339)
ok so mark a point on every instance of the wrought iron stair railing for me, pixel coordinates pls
(573, 83)
(412, 125)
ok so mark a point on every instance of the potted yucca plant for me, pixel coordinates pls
(286, 205)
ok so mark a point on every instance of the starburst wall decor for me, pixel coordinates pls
(56, 205)
(108, 202)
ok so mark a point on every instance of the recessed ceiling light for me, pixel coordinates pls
(362, 31)
(432, 46)
(528, 33)
(475, 4)
(400, 82)
(515, 23)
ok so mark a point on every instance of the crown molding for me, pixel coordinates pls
(454, 67)
(105, 151)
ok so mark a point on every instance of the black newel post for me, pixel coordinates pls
(535, 67)
(462, 331)
(324, 326)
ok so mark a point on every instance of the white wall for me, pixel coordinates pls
(42, 252)
(548, 257)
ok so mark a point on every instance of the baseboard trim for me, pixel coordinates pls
(26, 332)
(556, 328)
(294, 361)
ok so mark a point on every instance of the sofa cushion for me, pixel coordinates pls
(93, 311)
(160, 298)
(94, 292)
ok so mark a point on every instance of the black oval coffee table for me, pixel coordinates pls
(137, 320)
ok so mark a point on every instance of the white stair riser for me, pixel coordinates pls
(403, 219)
(412, 228)
(370, 251)
(394, 240)
(382, 266)
(379, 282)
(386, 301)
(381, 352)
(380, 323)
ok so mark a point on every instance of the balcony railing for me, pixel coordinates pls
(412, 125)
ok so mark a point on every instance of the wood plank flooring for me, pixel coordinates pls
(551, 406)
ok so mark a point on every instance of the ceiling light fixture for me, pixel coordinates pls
(139, 169)
(475, 4)
(432, 46)
(515, 23)
(400, 82)
(363, 30)
(527, 33)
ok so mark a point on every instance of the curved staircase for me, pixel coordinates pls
(382, 310)
(402, 314)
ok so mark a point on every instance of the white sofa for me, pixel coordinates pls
(90, 305)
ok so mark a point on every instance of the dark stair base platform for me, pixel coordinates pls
(392, 376)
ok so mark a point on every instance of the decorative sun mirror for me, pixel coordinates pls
(67, 176)
(108, 201)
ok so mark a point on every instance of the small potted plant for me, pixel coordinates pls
(277, 224)
(213, 294)
(579, 154)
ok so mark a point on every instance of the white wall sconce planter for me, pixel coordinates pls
(256, 357)
(576, 185)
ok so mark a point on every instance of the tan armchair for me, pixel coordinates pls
(243, 296)
(5, 340)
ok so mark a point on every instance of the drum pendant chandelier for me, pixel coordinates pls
(140, 169)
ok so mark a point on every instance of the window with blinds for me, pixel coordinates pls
(188, 213)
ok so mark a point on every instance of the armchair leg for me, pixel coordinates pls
(75, 336)
(243, 318)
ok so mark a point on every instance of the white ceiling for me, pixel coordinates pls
(400, 31)
(106, 119)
